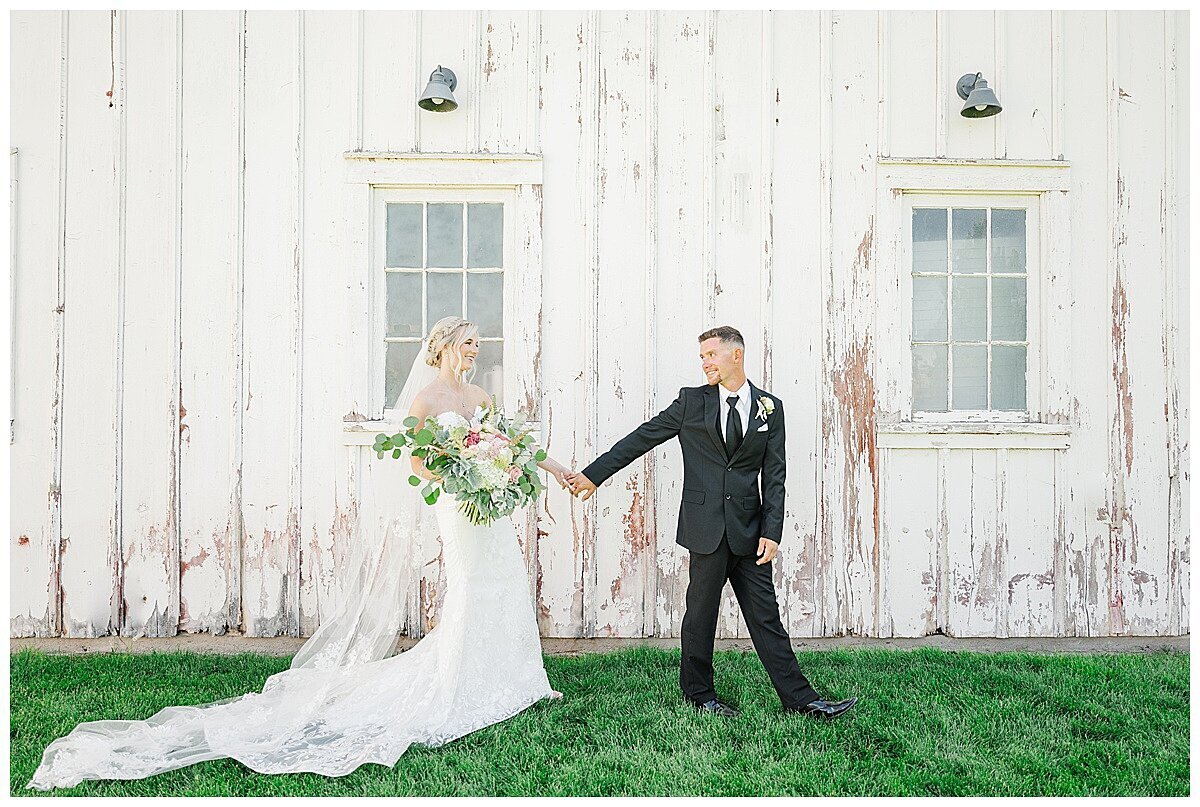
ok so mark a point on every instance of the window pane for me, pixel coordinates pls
(1008, 377)
(970, 376)
(929, 378)
(404, 235)
(1008, 309)
(929, 309)
(485, 235)
(445, 235)
(489, 372)
(970, 240)
(400, 356)
(1008, 241)
(404, 304)
(929, 240)
(445, 295)
(970, 309)
(485, 302)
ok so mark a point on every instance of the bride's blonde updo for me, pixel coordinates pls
(445, 338)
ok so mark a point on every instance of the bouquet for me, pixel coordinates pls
(488, 463)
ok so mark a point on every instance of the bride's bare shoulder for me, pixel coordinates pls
(479, 396)
(425, 399)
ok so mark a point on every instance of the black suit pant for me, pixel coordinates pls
(755, 592)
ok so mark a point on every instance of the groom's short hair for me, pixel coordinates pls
(726, 333)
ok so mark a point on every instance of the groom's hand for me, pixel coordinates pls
(581, 484)
(766, 550)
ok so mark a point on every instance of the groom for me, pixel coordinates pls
(731, 432)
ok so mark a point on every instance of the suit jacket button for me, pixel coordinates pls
(726, 496)
(730, 468)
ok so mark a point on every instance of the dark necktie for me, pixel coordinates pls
(733, 427)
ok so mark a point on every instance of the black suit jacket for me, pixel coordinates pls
(721, 495)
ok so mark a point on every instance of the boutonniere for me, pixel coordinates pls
(765, 407)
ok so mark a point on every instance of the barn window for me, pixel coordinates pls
(970, 264)
(441, 258)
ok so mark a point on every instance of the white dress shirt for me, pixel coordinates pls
(743, 407)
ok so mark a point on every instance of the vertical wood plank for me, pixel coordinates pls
(1028, 582)
(909, 503)
(795, 352)
(38, 61)
(327, 353)
(967, 40)
(680, 56)
(1138, 428)
(1087, 460)
(569, 121)
(850, 506)
(504, 93)
(209, 413)
(449, 38)
(1027, 84)
(149, 378)
(91, 601)
(911, 90)
(1177, 240)
(623, 540)
(271, 307)
(392, 78)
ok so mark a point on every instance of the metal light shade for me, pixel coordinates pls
(981, 101)
(439, 95)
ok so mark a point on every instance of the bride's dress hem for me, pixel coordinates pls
(480, 665)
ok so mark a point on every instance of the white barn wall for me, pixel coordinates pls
(190, 330)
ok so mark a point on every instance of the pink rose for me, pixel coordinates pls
(514, 473)
(472, 438)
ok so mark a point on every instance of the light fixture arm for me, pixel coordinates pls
(967, 83)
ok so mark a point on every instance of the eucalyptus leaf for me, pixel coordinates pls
(411, 422)
(396, 454)
(540, 455)
(424, 437)
(414, 480)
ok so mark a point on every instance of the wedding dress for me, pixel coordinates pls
(345, 702)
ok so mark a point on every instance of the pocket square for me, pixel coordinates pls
(763, 427)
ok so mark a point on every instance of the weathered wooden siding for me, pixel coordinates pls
(189, 330)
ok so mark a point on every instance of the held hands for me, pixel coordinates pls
(580, 484)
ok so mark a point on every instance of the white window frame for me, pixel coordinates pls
(1033, 383)
(1047, 420)
(372, 179)
(385, 195)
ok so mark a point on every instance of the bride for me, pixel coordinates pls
(346, 700)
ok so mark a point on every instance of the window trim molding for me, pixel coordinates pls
(427, 168)
(1049, 180)
(519, 176)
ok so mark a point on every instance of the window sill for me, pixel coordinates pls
(926, 435)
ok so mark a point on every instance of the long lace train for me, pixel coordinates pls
(480, 665)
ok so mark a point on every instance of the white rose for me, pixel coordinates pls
(448, 420)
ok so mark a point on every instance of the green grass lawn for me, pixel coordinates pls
(927, 722)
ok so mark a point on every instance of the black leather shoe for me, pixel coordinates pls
(821, 708)
(716, 707)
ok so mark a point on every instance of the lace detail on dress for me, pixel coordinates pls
(482, 664)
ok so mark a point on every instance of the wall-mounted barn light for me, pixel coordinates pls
(439, 95)
(980, 100)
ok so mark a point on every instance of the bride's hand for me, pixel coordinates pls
(560, 474)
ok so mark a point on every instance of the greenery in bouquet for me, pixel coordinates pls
(488, 462)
